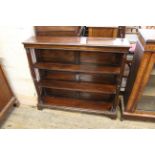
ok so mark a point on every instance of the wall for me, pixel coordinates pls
(15, 62)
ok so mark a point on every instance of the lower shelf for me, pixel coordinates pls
(78, 105)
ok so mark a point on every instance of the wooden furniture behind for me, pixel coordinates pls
(7, 98)
(58, 30)
(77, 73)
(107, 32)
(140, 97)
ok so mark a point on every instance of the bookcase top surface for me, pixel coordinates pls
(79, 41)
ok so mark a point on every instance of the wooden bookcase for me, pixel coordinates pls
(7, 99)
(140, 97)
(77, 73)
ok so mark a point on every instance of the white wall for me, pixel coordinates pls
(15, 62)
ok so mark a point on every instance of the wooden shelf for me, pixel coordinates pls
(78, 68)
(76, 103)
(79, 86)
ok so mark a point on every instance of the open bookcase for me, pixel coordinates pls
(77, 73)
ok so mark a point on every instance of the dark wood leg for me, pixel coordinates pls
(39, 107)
(16, 103)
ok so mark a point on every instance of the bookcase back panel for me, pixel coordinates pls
(98, 78)
(59, 56)
(111, 59)
(76, 57)
(58, 75)
(78, 77)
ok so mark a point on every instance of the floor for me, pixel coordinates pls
(27, 117)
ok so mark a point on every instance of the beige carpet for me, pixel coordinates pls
(29, 117)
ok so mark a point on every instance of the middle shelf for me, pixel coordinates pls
(82, 68)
